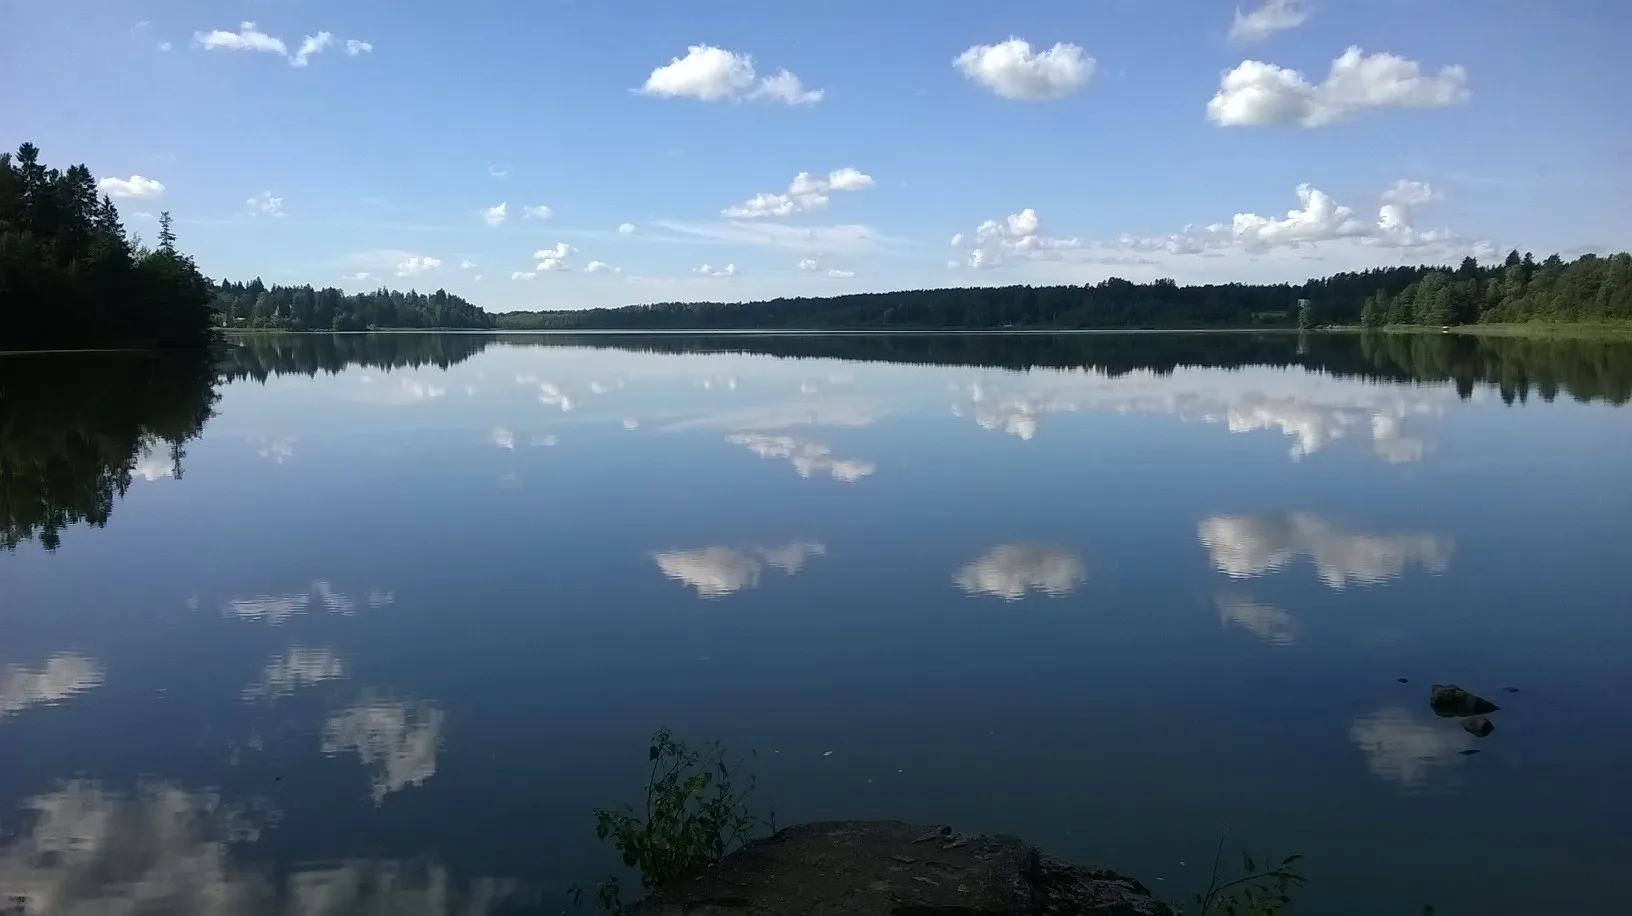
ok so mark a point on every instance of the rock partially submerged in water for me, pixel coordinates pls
(891, 868)
(1478, 726)
(1452, 701)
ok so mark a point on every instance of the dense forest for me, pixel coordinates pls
(302, 308)
(71, 276)
(1588, 289)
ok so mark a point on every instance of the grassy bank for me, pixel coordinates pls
(1584, 329)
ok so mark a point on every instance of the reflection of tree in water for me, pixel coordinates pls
(74, 428)
(258, 356)
(1586, 369)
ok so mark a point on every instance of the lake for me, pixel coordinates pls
(372, 622)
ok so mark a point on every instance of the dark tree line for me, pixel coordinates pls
(302, 308)
(71, 276)
(1113, 303)
(1589, 288)
(73, 428)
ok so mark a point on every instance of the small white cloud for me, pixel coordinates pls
(1019, 235)
(807, 264)
(538, 212)
(706, 72)
(559, 251)
(1256, 93)
(551, 265)
(713, 74)
(840, 274)
(466, 264)
(1012, 70)
(495, 215)
(729, 270)
(417, 265)
(499, 170)
(785, 87)
(360, 275)
(805, 193)
(165, 46)
(523, 275)
(247, 38)
(265, 204)
(1270, 17)
(598, 267)
(313, 44)
(626, 228)
(133, 187)
(477, 278)
(504, 437)
(250, 38)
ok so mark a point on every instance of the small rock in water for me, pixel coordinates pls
(1451, 701)
(1478, 726)
(1510, 690)
(1403, 680)
(1469, 752)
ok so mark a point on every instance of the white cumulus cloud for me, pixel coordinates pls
(495, 215)
(1012, 70)
(626, 228)
(416, 265)
(1270, 17)
(522, 275)
(713, 74)
(1258, 93)
(133, 187)
(1318, 218)
(247, 38)
(1019, 235)
(601, 267)
(806, 192)
(708, 270)
(536, 212)
(355, 47)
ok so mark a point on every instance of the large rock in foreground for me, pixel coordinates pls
(890, 868)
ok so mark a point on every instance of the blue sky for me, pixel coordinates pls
(1134, 138)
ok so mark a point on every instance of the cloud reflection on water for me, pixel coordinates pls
(718, 571)
(161, 849)
(64, 676)
(1246, 546)
(1010, 570)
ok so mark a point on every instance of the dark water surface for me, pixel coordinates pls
(378, 634)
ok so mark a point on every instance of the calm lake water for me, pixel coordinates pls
(406, 607)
